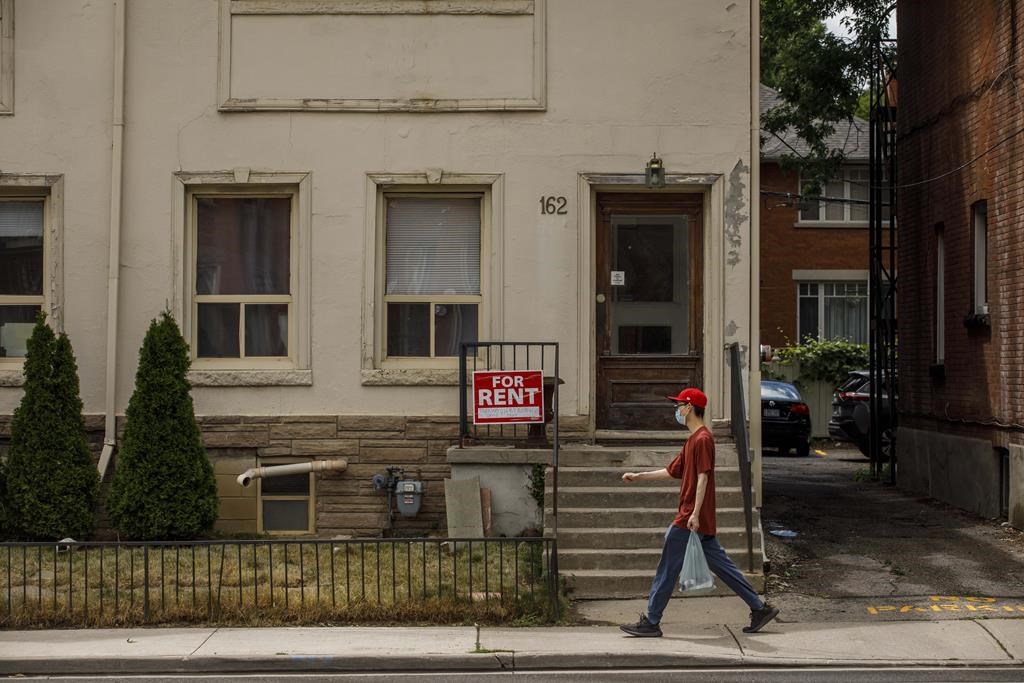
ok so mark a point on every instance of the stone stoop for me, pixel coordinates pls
(610, 533)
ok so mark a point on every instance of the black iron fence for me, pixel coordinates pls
(260, 581)
(741, 436)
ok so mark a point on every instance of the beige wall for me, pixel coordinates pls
(622, 80)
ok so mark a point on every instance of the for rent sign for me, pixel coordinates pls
(508, 397)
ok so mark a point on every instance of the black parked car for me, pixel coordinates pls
(785, 418)
(851, 413)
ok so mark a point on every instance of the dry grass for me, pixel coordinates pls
(265, 583)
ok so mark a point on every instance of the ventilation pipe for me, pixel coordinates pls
(245, 478)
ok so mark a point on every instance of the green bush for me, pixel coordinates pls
(825, 360)
(163, 485)
(51, 479)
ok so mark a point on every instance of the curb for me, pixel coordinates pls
(483, 662)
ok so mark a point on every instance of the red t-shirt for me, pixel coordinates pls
(696, 457)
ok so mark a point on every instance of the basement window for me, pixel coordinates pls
(286, 504)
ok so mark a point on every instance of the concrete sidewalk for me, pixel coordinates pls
(301, 649)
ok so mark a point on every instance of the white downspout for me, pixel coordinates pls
(754, 351)
(114, 255)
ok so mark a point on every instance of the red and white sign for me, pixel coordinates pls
(508, 397)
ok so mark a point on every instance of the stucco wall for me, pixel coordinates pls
(622, 80)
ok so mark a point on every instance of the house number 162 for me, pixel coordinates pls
(553, 205)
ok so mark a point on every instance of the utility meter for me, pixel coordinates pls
(409, 494)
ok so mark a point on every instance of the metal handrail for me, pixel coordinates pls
(740, 434)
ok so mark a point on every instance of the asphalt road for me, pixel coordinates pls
(881, 675)
(867, 551)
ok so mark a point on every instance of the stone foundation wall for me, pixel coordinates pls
(346, 503)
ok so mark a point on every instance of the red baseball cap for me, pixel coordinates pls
(694, 397)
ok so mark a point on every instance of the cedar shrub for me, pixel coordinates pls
(163, 486)
(51, 480)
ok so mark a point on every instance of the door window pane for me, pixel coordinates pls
(285, 515)
(433, 245)
(217, 331)
(16, 323)
(650, 308)
(21, 248)
(243, 245)
(645, 254)
(266, 330)
(409, 329)
(454, 324)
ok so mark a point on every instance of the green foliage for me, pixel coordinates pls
(51, 480)
(538, 475)
(163, 485)
(825, 360)
(819, 76)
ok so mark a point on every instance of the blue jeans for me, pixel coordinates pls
(667, 577)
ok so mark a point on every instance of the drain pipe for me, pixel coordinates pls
(246, 478)
(114, 239)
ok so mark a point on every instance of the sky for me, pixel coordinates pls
(834, 25)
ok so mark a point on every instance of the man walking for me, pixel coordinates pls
(695, 467)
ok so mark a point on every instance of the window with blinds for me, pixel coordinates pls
(432, 274)
(21, 272)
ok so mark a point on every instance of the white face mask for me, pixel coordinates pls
(680, 418)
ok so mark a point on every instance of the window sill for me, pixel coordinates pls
(250, 378)
(12, 378)
(410, 377)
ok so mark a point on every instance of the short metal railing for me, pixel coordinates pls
(259, 581)
(543, 356)
(741, 436)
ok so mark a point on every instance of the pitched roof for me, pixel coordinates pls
(851, 137)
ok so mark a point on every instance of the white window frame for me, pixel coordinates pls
(6, 57)
(50, 190)
(822, 278)
(940, 294)
(846, 221)
(979, 256)
(311, 508)
(294, 369)
(377, 368)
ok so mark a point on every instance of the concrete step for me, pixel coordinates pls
(646, 537)
(628, 584)
(611, 476)
(625, 496)
(640, 517)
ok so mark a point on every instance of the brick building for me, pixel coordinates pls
(814, 255)
(961, 286)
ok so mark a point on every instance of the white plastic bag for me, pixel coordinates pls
(695, 575)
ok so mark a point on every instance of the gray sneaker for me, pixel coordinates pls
(642, 628)
(759, 618)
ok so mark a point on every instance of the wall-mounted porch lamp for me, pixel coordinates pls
(654, 174)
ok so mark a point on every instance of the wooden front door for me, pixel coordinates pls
(648, 306)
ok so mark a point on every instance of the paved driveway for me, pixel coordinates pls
(865, 550)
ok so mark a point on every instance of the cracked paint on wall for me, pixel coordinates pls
(735, 212)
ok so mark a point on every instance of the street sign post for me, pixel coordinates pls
(508, 397)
